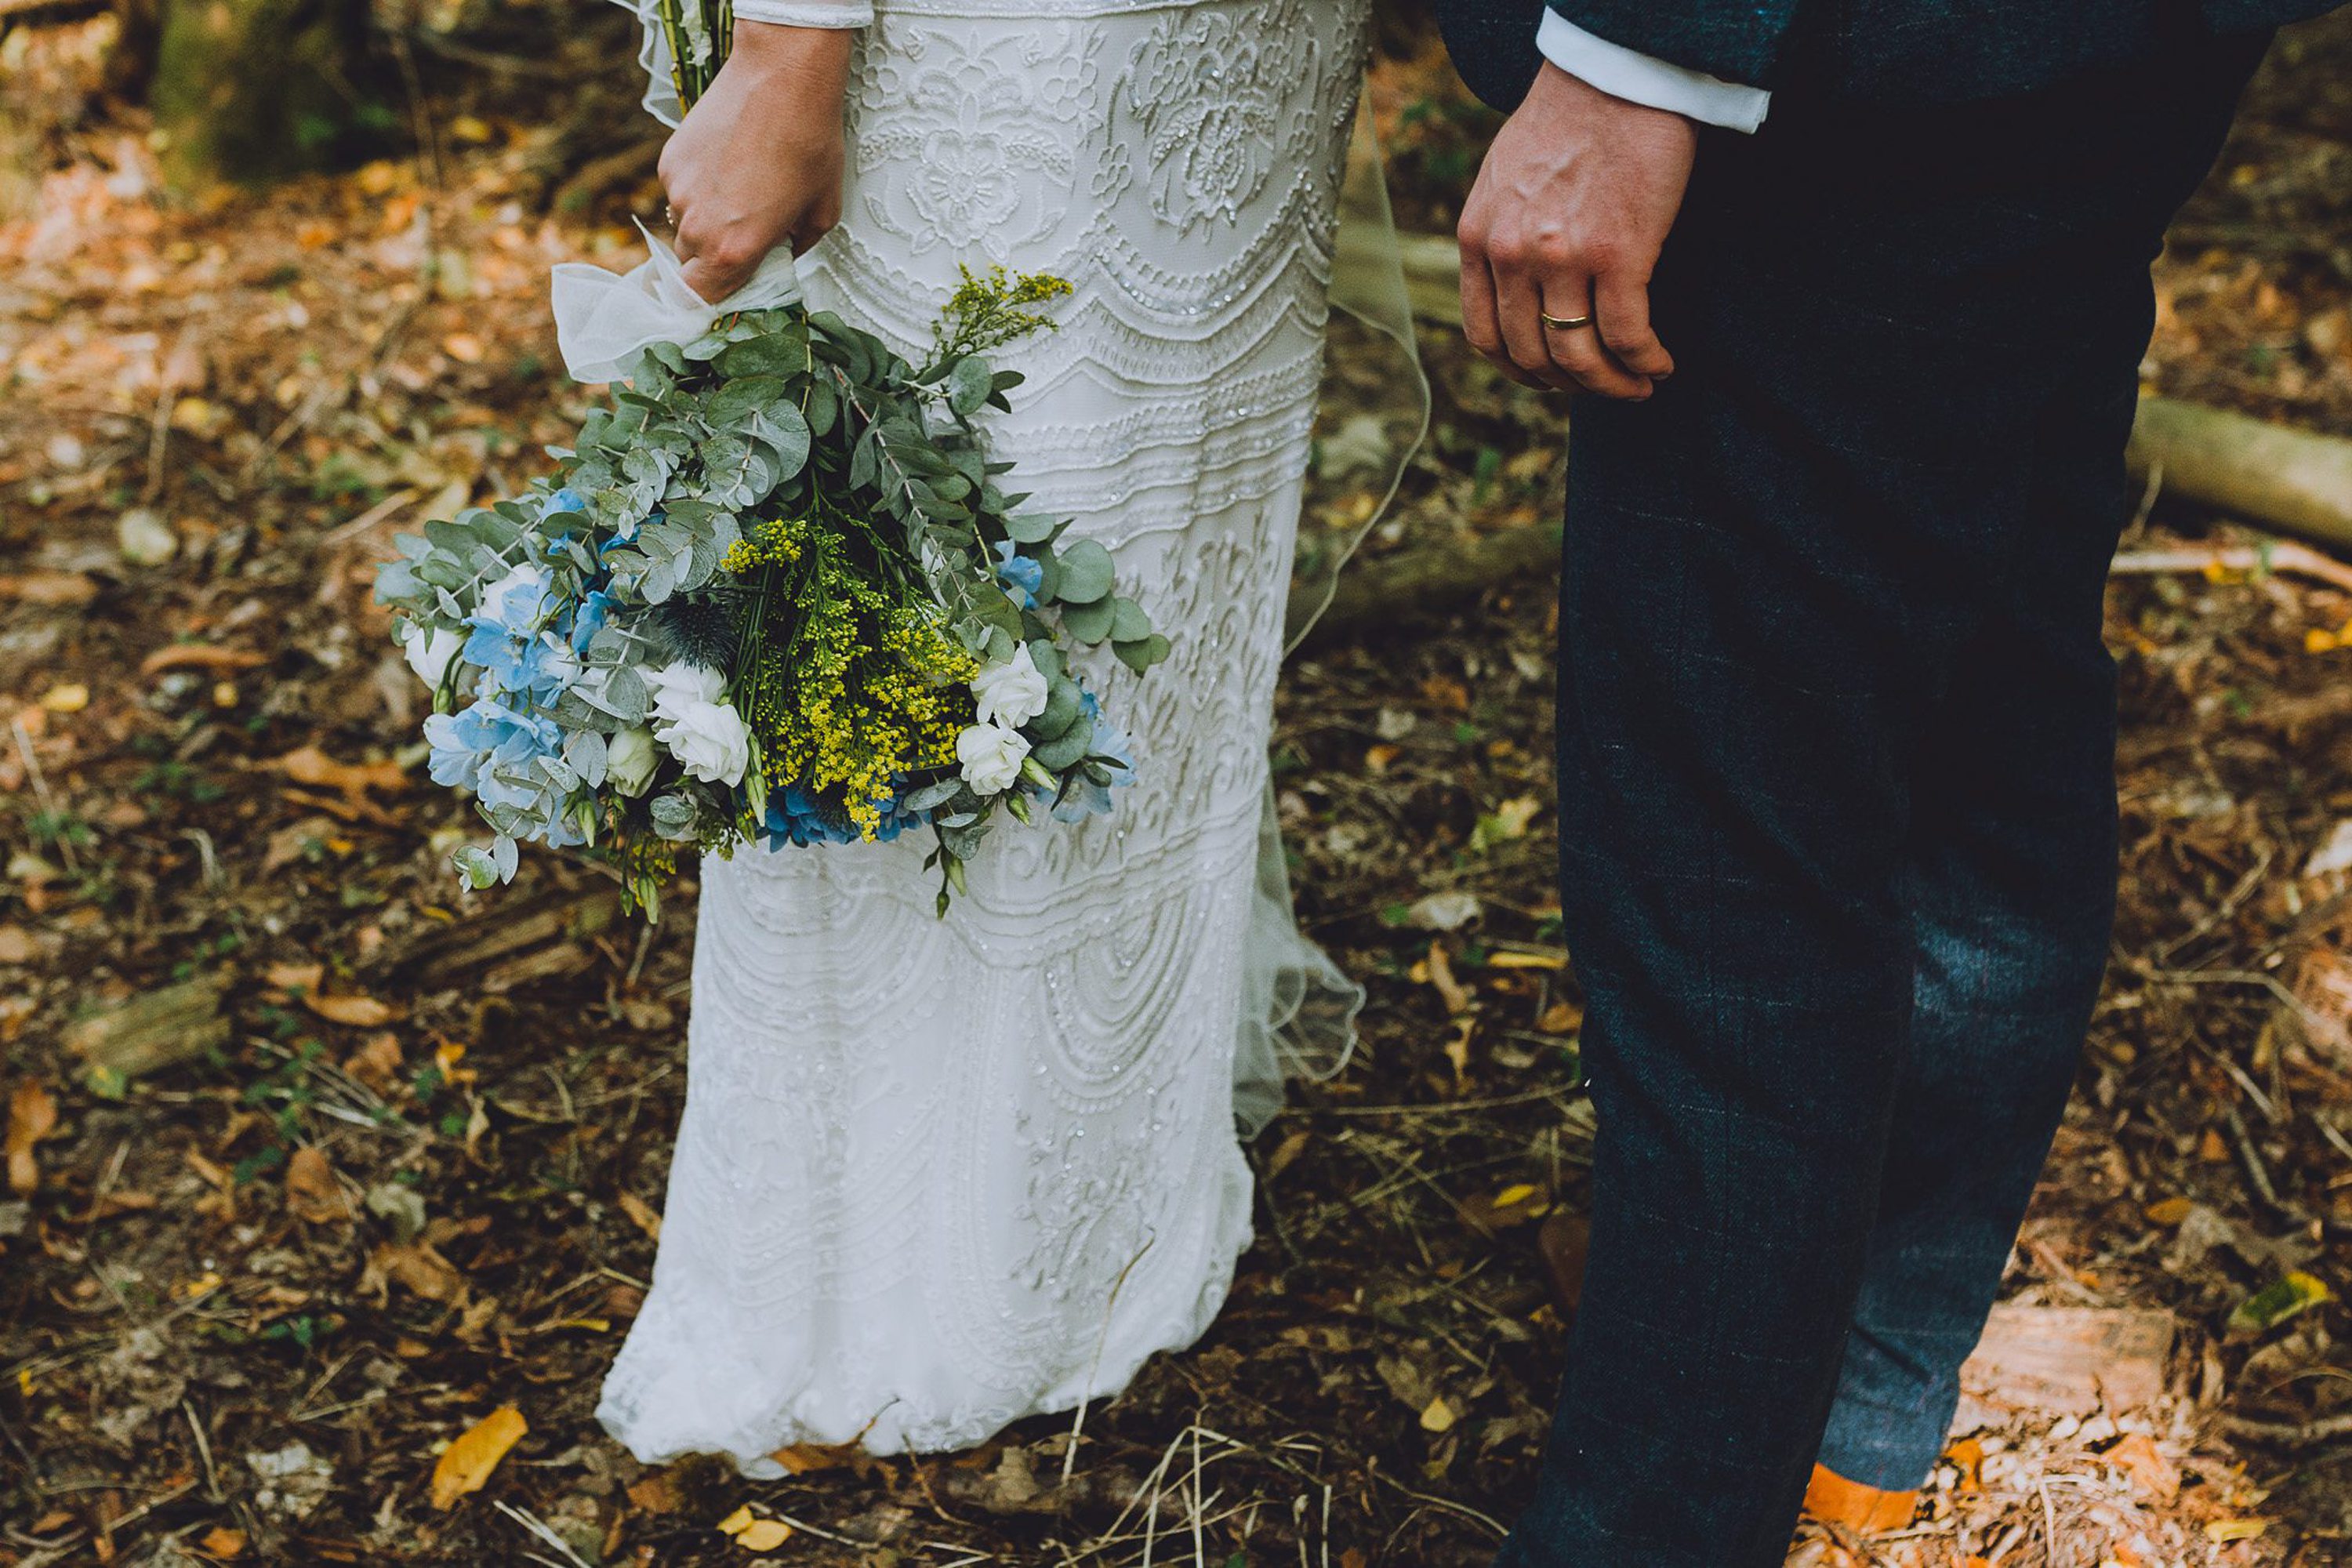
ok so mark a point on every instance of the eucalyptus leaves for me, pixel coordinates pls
(776, 592)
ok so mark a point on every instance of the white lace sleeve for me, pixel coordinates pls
(653, 53)
(806, 13)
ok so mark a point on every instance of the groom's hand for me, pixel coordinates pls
(1566, 219)
(757, 162)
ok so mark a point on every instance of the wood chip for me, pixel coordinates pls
(2069, 1360)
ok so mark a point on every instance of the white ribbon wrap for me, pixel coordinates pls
(604, 320)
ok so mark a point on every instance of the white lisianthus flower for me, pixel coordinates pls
(630, 759)
(1011, 693)
(429, 650)
(708, 737)
(992, 756)
(709, 741)
(680, 686)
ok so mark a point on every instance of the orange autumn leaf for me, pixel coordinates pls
(466, 1463)
(642, 1215)
(292, 977)
(359, 1011)
(1966, 1456)
(1455, 995)
(198, 656)
(310, 766)
(2138, 1458)
(658, 1493)
(32, 1116)
(802, 1458)
(312, 1194)
(419, 1268)
(222, 1543)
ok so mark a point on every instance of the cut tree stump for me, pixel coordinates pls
(2069, 1361)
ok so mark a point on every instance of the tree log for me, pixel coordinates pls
(2297, 482)
(253, 89)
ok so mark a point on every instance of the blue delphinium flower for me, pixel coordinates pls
(565, 500)
(589, 618)
(508, 641)
(797, 817)
(494, 748)
(897, 818)
(471, 744)
(1110, 745)
(1020, 572)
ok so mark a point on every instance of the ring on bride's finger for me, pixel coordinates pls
(1563, 323)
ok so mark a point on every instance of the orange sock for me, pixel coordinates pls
(1865, 1510)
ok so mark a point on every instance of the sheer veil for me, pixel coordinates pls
(1298, 1007)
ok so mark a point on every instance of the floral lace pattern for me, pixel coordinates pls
(934, 1177)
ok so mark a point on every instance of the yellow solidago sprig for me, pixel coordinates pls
(850, 688)
(992, 309)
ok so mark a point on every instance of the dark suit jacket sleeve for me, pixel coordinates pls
(1736, 40)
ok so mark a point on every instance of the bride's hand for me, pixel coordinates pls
(757, 162)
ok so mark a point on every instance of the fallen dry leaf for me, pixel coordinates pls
(2137, 1456)
(1454, 995)
(313, 1192)
(199, 656)
(801, 1458)
(32, 1116)
(359, 1011)
(656, 1493)
(377, 1062)
(641, 1214)
(418, 1267)
(1968, 1456)
(1457, 1047)
(764, 1535)
(752, 1533)
(57, 590)
(222, 1542)
(466, 1463)
(310, 766)
(17, 945)
(293, 978)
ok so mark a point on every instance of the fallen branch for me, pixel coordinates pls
(2289, 1433)
(2283, 556)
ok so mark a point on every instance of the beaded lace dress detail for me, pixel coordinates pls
(938, 1175)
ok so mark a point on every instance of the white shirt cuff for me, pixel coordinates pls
(1638, 78)
(806, 13)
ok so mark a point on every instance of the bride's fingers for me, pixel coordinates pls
(713, 280)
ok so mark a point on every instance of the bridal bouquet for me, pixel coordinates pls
(775, 592)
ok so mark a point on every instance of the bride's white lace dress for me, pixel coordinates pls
(934, 1177)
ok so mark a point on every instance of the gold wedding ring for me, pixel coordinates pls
(1563, 323)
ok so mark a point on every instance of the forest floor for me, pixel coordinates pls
(314, 1165)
